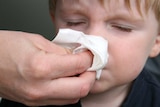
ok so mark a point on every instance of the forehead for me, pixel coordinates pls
(108, 5)
(88, 2)
(105, 3)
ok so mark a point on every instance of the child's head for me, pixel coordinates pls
(130, 26)
(155, 4)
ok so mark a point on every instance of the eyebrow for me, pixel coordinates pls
(126, 17)
(76, 10)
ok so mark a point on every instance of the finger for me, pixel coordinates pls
(71, 87)
(70, 65)
(58, 61)
(61, 102)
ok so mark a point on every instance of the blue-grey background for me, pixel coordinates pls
(26, 15)
(33, 16)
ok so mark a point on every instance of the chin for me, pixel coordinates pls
(98, 88)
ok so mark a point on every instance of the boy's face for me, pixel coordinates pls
(131, 37)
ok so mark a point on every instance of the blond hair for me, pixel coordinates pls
(154, 4)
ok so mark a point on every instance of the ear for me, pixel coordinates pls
(156, 48)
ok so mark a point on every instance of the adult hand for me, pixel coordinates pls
(34, 71)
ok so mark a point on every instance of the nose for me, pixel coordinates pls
(95, 29)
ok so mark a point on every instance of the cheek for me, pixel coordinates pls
(127, 59)
(124, 65)
(128, 68)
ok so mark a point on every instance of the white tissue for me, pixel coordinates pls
(78, 41)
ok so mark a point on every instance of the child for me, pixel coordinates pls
(133, 33)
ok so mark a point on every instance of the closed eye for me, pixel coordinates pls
(74, 23)
(122, 28)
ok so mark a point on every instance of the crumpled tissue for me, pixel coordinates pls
(78, 41)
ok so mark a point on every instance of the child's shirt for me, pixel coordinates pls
(145, 92)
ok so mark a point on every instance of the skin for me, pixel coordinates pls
(132, 38)
(30, 74)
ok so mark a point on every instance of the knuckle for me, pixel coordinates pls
(33, 94)
(84, 90)
(39, 68)
(32, 97)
